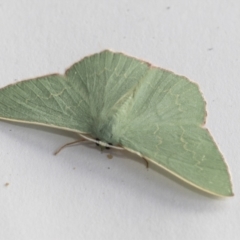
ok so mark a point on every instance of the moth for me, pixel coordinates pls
(121, 102)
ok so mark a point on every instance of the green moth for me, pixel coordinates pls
(128, 104)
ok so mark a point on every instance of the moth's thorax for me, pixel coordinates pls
(103, 129)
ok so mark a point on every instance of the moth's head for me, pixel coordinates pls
(103, 145)
(104, 134)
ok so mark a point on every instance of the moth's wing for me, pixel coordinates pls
(108, 79)
(50, 100)
(75, 100)
(162, 122)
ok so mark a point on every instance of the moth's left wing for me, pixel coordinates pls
(162, 122)
(188, 152)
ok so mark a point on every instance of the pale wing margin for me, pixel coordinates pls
(51, 100)
(162, 122)
(188, 152)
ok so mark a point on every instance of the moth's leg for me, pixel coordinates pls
(146, 161)
(68, 144)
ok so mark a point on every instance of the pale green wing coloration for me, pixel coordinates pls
(90, 93)
(127, 102)
(163, 124)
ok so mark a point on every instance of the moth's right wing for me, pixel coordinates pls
(49, 100)
(77, 100)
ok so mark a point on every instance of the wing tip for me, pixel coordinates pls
(210, 192)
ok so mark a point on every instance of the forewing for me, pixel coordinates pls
(187, 152)
(51, 100)
(108, 79)
(163, 124)
(92, 89)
